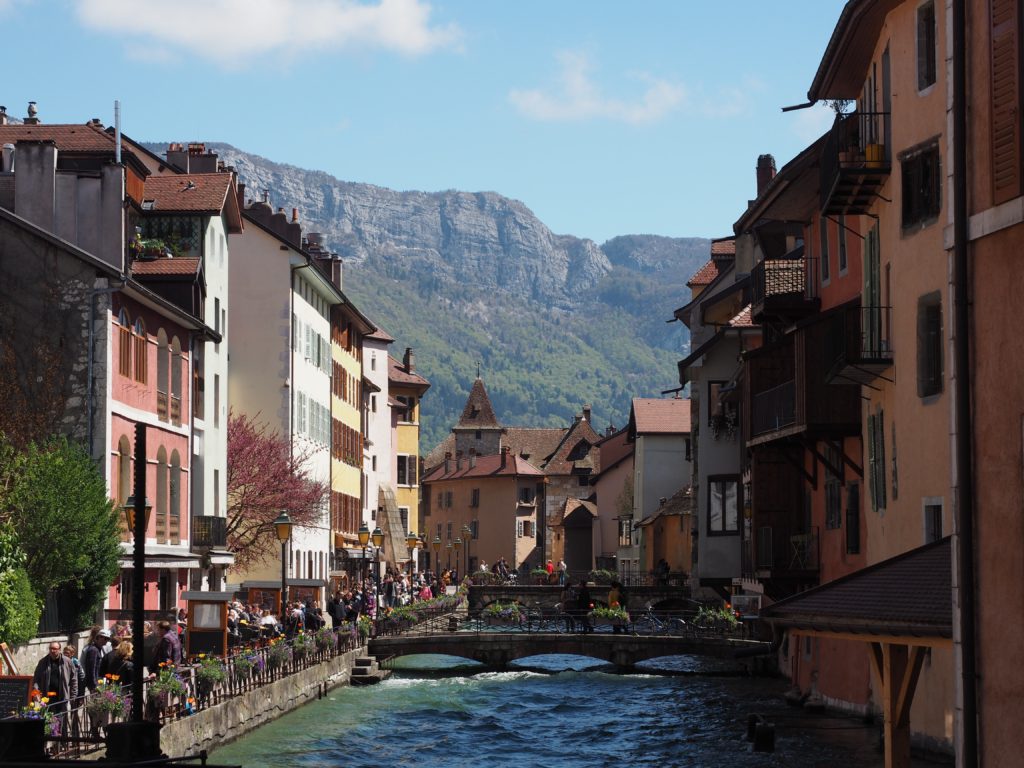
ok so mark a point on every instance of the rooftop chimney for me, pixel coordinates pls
(31, 118)
(504, 456)
(765, 172)
(447, 461)
(458, 461)
(3, 115)
(409, 361)
(295, 214)
(586, 412)
(662, 501)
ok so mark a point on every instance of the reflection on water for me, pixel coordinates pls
(555, 712)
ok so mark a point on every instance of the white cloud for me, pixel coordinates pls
(575, 96)
(235, 32)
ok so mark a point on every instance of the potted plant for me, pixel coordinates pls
(168, 683)
(243, 664)
(617, 617)
(106, 703)
(279, 655)
(364, 627)
(209, 673)
(502, 614)
(325, 638)
(539, 575)
(302, 644)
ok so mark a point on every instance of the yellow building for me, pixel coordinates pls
(405, 389)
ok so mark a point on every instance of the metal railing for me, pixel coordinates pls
(782, 548)
(773, 408)
(855, 144)
(860, 334)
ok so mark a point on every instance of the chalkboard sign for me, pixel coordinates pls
(15, 691)
(212, 642)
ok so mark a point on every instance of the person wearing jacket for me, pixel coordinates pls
(55, 678)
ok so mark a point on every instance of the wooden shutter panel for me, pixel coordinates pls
(880, 456)
(872, 464)
(1006, 118)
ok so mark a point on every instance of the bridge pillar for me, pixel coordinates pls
(624, 659)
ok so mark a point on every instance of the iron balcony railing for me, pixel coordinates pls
(774, 408)
(784, 282)
(209, 531)
(859, 343)
(855, 162)
(782, 548)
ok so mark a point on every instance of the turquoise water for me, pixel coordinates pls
(572, 714)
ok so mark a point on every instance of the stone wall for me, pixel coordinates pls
(219, 725)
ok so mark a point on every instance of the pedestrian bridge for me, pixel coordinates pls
(497, 649)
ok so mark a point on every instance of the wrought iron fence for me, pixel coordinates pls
(774, 408)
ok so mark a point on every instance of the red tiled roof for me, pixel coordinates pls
(175, 266)
(680, 503)
(398, 375)
(534, 444)
(659, 416)
(380, 335)
(703, 276)
(906, 594)
(569, 507)
(67, 138)
(577, 451)
(192, 193)
(486, 466)
(724, 247)
(743, 319)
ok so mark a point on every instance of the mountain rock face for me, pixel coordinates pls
(554, 321)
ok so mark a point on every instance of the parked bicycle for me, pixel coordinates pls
(651, 623)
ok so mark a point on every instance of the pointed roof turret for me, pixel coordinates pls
(478, 413)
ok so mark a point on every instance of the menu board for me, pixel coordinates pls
(15, 691)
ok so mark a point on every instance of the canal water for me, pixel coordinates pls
(560, 712)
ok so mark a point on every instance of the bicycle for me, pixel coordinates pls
(650, 623)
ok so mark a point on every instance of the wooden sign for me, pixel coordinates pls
(15, 692)
(7, 659)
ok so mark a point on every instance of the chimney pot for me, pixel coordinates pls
(295, 214)
(662, 501)
(409, 361)
(586, 412)
(32, 112)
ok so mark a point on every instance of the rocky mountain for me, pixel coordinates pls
(554, 321)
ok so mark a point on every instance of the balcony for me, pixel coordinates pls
(790, 395)
(859, 345)
(783, 551)
(209, 531)
(855, 163)
(175, 411)
(161, 405)
(785, 287)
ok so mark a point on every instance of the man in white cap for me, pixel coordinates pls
(93, 655)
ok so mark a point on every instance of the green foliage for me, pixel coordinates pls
(19, 607)
(57, 501)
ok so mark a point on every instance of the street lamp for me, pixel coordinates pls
(283, 529)
(468, 533)
(458, 545)
(378, 542)
(448, 547)
(437, 554)
(411, 541)
(364, 540)
(129, 513)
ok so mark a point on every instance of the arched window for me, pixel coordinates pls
(309, 571)
(141, 364)
(124, 480)
(176, 366)
(297, 572)
(163, 374)
(161, 496)
(174, 508)
(124, 343)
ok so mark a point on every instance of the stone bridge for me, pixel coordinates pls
(546, 597)
(497, 649)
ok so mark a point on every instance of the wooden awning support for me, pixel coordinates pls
(898, 667)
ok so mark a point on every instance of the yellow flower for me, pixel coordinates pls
(44, 700)
(202, 655)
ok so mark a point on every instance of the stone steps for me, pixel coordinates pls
(366, 671)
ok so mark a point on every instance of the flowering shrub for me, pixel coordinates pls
(610, 614)
(280, 653)
(302, 644)
(326, 639)
(244, 663)
(506, 611)
(168, 682)
(364, 625)
(211, 670)
(38, 709)
(108, 698)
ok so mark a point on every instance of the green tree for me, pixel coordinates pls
(57, 503)
(19, 607)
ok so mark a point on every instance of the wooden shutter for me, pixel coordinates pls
(853, 519)
(872, 464)
(880, 456)
(1006, 132)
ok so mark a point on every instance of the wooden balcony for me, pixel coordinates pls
(789, 394)
(855, 163)
(785, 287)
(859, 345)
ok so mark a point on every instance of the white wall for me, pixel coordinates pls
(378, 451)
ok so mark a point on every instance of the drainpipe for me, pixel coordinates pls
(90, 407)
(964, 468)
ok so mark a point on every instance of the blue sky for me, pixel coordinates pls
(605, 117)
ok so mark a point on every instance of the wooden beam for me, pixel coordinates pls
(846, 459)
(864, 637)
(812, 446)
(908, 685)
(799, 466)
(896, 730)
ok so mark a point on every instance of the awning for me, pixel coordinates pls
(163, 561)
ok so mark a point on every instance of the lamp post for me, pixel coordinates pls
(378, 542)
(458, 546)
(437, 554)
(136, 512)
(364, 540)
(468, 533)
(411, 541)
(448, 547)
(283, 529)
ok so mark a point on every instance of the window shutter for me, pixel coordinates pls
(872, 465)
(880, 454)
(1006, 133)
(853, 519)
